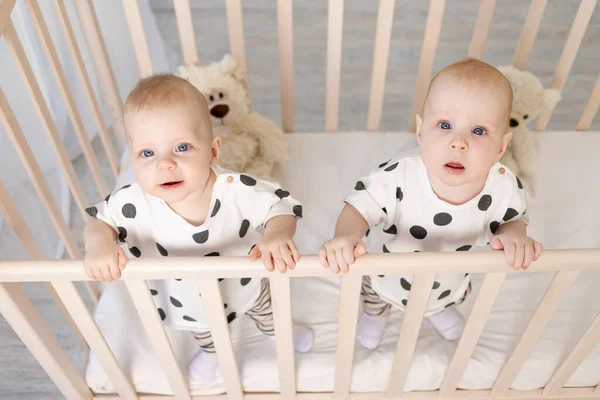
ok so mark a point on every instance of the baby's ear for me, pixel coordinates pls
(419, 122)
(215, 151)
(505, 140)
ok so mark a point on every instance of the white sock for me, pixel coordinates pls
(369, 331)
(303, 338)
(449, 324)
(203, 368)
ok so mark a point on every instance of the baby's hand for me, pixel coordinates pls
(105, 262)
(520, 250)
(340, 252)
(279, 250)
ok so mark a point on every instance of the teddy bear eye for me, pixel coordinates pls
(220, 95)
(211, 97)
(525, 116)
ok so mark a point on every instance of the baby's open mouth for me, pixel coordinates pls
(171, 184)
(454, 168)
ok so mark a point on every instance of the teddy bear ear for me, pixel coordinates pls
(551, 97)
(230, 66)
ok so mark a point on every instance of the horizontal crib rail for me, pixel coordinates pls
(240, 267)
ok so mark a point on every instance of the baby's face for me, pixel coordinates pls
(171, 151)
(463, 131)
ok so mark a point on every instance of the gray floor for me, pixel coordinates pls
(21, 377)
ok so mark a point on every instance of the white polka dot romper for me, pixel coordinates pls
(405, 215)
(148, 227)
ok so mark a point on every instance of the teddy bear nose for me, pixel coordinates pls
(219, 111)
(513, 123)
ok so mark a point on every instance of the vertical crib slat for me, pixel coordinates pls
(583, 348)
(142, 299)
(282, 314)
(530, 29)
(100, 62)
(33, 88)
(335, 27)
(554, 294)
(6, 8)
(138, 37)
(87, 86)
(235, 25)
(411, 325)
(347, 320)
(285, 21)
(430, 41)
(27, 323)
(492, 284)
(591, 108)
(215, 315)
(385, 17)
(70, 297)
(580, 23)
(482, 28)
(183, 14)
(61, 79)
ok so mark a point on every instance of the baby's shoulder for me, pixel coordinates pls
(503, 180)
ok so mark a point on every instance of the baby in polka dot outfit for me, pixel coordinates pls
(181, 205)
(450, 194)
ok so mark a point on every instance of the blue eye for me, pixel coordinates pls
(183, 147)
(147, 153)
(445, 125)
(478, 131)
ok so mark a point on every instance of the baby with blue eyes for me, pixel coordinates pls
(449, 194)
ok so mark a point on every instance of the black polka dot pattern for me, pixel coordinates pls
(153, 292)
(247, 180)
(404, 302)
(129, 210)
(418, 232)
(494, 227)
(106, 198)
(175, 302)
(519, 184)
(282, 193)
(135, 251)
(384, 210)
(466, 247)
(510, 214)
(392, 230)
(178, 280)
(244, 228)
(125, 187)
(185, 317)
(359, 186)
(122, 234)
(484, 202)
(436, 285)
(449, 305)
(161, 313)
(384, 164)
(200, 237)
(92, 211)
(163, 252)
(367, 233)
(225, 305)
(251, 248)
(231, 317)
(391, 167)
(245, 281)
(381, 276)
(385, 249)
(297, 211)
(221, 279)
(444, 294)
(213, 254)
(405, 284)
(399, 194)
(442, 219)
(216, 208)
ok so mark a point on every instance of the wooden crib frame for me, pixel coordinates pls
(61, 275)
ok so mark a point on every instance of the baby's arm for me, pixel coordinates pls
(277, 246)
(520, 250)
(104, 259)
(341, 251)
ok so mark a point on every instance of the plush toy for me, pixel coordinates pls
(251, 143)
(529, 99)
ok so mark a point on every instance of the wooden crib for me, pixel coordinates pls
(60, 275)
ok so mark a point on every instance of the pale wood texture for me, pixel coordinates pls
(235, 25)
(482, 28)
(61, 11)
(142, 299)
(138, 37)
(411, 325)
(335, 25)
(347, 320)
(69, 295)
(285, 26)
(490, 288)
(432, 35)
(591, 108)
(575, 358)
(554, 294)
(33, 88)
(61, 79)
(215, 315)
(530, 29)
(183, 14)
(6, 7)
(27, 323)
(385, 17)
(101, 64)
(281, 299)
(580, 23)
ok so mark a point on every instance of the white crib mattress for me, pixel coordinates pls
(321, 169)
